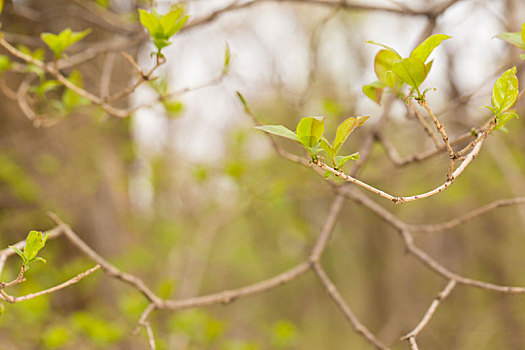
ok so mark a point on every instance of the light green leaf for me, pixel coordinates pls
(327, 147)
(310, 130)
(1, 5)
(522, 56)
(34, 242)
(227, 59)
(169, 22)
(384, 46)
(411, 71)
(505, 92)
(426, 47)
(58, 43)
(513, 39)
(5, 63)
(18, 251)
(341, 160)
(314, 150)
(345, 129)
(374, 91)
(38, 259)
(278, 130)
(383, 63)
(71, 99)
(504, 119)
(151, 23)
(173, 107)
(523, 33)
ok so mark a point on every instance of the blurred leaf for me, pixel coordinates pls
(1, 6)
(504, 118)
(345, 129)
(374, 91)
(45, 87)
(59, 42)
(310, 130)
(505, 92)
(56, 337)
(5, 63)
(71, 99)
(423, 50)
(283, 334)
(513, 39)
(227, 59)
(19, 252)
(173, 107)
(151, 23)
(327, 147)
(278, 130)
(98, 329)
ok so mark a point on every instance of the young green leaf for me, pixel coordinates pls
(34, 243)
(384, 46)
(341, 160)
(71, 99)
(151, 23)
(19, 252)
(424, 49)
(227, 60)
(327, 147)
(515, 39)
(279, 130)
(383, 63)
(411, 71)
(310, 130)
(523, 33)
(173, 107)
(374, 91)
(59, 42)
(505, 92)
(504, 119)
(345, 129)
(5, 63)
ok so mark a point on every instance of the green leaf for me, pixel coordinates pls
(327, 147)
(423, 50)
(313, 150)
(345, 129)
(278, 130)
(505, 92)
(18, 251)
(523, 33)
(374, 91)
(227, 59)
(71, 99)
(522, 56)
(383, 63)
(169, 22)
(341, 160)
(59, 42)
(173, 107)
(5, 63)
(504, 119)
(310, 130)
(411, 71)
(34, 242)
(45, 86)
(38, 259)
(1, 5)
(151, 23)
(513, 39)
(384, 46)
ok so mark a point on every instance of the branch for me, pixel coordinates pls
(338, 299)
(431, 310)
(74, 280)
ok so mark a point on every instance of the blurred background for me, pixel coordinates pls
(191, 198)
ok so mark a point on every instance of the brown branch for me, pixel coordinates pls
(341, 304)
(431, 310)
(468, 216)
(424, 123)
(73, 280)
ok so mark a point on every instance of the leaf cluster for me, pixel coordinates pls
(309, 133)
(162, 27)
(59, 42)
(393, 71)
(504, 96)
(35, 241)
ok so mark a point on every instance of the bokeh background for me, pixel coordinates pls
(195, 200)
